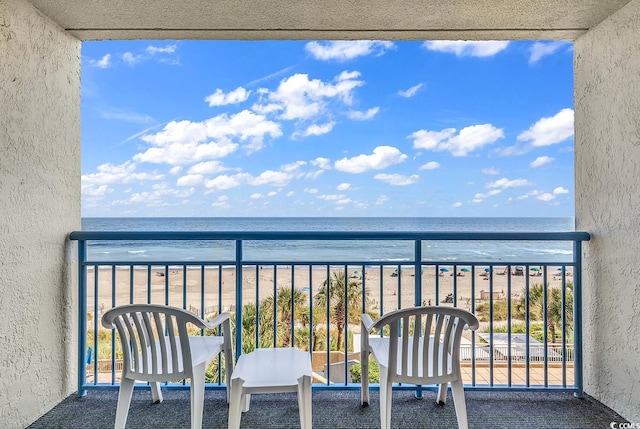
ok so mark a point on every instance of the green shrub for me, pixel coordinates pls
(374, 372)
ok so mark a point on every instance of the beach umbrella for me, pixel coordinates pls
(465, 269)
(444, 270)
(487, 270)
(535, 269)
(560, 268)
(357, 273)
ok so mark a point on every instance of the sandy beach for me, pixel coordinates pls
(384, 288)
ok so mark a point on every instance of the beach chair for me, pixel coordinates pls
(156, 347)
(423, 348)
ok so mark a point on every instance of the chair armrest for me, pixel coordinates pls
(367, 323)
(217, 321)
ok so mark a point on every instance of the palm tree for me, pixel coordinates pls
(554, 307)
(343, 298)
(289, 303)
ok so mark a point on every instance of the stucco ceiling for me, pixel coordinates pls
(328, 19)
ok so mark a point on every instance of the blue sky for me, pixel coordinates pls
(319, 128)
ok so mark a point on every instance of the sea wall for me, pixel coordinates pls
(39, 205)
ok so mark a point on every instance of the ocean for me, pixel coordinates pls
(443, 251)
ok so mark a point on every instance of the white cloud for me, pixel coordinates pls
(344, 201)
(505, 183)
(183, 142)
(431, 165)
(300, 98)
(219, 98)
(157, 197)
(550, 130)
(491, 171)
(529, 194)
(109, 174)
(560, 190)
(397, 179)
(456, 205)
(344, 50)
(408, 93)
(357, 115)
(546, 197)
(478, 198)
(460, 48)
(190, 180)
(168, 49)
(131, 59)
(271, 177)
(322, 165)
(467, 140)
(343, 186)
(100, 191)
(381, 200)
(255, 196)
(103, 62)
(222, 202)
(542, 49)
(318, 130)
(311, 190)
(331, 197)
(175, 170)
(382, 157)
(290, 194)
(226, 182)
(208, 167)
(540, 161)
(272, 194)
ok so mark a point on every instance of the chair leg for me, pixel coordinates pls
(457, 391)
(442, 394)
(385, 399)
(235, 403)
(228, 363)
(197, 395)
(364, 379)
(156, 393)
(304, 402)
(124, 401)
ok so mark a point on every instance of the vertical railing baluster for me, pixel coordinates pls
(545, 321)
(345, 341)
(82, 319)
(293, 309)
(238, 276)
(275, 307)
(509, 363)
(473, 334)
(131, 279)
(577, 319)
(491, 346)
(527, 329)
(417, 284)
(564, 325)
(113, 334)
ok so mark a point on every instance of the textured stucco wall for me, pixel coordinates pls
(607, 168)
(39, 205)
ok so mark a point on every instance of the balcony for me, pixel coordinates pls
(515, 299)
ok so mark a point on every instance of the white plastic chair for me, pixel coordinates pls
(157, 348)
(405, 356)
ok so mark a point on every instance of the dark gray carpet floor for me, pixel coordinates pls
(338, 409)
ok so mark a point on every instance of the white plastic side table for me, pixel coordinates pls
(271, 370)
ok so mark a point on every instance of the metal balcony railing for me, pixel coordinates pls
(530, 310)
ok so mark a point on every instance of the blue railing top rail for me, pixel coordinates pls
(329, 235)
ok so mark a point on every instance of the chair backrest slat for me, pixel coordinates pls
(417, 339)
(162, 343)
